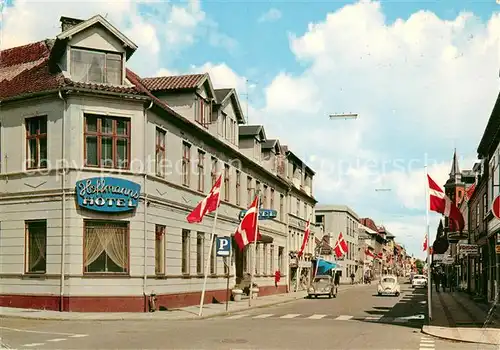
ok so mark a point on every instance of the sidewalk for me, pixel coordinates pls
(186, 313)
(456, 316)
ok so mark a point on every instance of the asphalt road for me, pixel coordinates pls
(357, 319)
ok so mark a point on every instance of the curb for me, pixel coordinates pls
(455, 338)
(186, 318)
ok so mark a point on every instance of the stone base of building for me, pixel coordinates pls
(120, 303)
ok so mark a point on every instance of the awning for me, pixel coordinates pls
(324, 266)
(264, 238)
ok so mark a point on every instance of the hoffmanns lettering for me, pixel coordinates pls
(100, 187)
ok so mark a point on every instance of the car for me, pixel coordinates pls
(419, 281)
(322, 285)
(389, 285)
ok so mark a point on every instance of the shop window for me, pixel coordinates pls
(160, 152)
(160, 231)
(36, 142)
(105, 247)
(107, 142)
(200, 242)
(185, 251)
(36, 246)
(213, 257)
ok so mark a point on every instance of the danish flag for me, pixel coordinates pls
(341, 246)
(369, 253)
(209, 204)
(307, 232)
(248, 227)
(441, 203)
(425, 243)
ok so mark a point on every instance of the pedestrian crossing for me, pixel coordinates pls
(365, 318)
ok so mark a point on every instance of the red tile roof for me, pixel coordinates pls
(177, 82)
(25, 70)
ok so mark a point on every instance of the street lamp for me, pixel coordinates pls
(344, 116)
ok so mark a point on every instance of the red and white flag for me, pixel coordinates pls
(209, 204)
(441, 203)
(425, 243)
(248, 228)
(341, 246)
(307, 232)
(369, 253)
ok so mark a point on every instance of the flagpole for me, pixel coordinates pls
(429, 289)
(207, 260)
(299, 269)
(254, 250)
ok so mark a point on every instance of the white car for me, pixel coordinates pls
(389, 285)
(419, 281)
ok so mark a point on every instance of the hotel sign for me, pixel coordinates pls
(107, 194)
(264, 214)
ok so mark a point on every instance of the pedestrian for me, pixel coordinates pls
(352, 278)
(444, 280)
(435, 277)
(336, 281)
(277, 277)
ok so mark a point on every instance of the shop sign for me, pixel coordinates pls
(497, 248)
(264, 214)
(107, 194)
(297, 223)
(468, 249)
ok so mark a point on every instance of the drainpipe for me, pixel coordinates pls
(145, 213)
(63, 204)
(287, 249)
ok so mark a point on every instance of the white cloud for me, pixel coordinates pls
(271, 15)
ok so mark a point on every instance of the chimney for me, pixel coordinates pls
(68, 22)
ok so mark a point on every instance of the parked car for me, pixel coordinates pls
(419, 281)
(322, 285)
(388, 285)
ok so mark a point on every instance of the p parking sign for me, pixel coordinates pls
(223, 246)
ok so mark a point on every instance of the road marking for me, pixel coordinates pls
(78, 335)
(235, 317)
(56, 339)
(316, 317)
(263, 316)
(344, 318)
(290, 316)
(39, 332)
(373, 318)
(33, 344)
(426, 343)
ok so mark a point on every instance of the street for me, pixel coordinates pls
(356, 319)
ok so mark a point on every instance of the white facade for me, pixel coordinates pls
(338, 219)
(43, 193)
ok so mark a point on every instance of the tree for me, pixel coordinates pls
(420, 265)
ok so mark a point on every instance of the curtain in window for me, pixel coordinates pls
(106, 238)
(36, 248)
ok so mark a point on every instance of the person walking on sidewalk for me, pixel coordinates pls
(352, 277)
(436, 279)
(336, 281)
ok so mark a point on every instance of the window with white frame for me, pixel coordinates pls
(36, 246)
(90, 66)
(160, 231)
(186, 163)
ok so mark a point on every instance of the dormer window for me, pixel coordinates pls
(100, 67)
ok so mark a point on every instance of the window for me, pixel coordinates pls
(238, 187)
(186, 163)
(297, 209)
(280, 258)
(36, 142)
(257, 258)
(305, 211)
(485, 205)
(257, 190)
(36, 246)
(107, 142)
(271, 199)
(160, 249)
(282, 207)
(213, 257)
(271, 258)
(105, 247)
(203, 111)
(223, 121)
(200, 242)
(185, 251)
(96, 67)
(227, 189)
(201, 171)
(250, 194)
(213, 171)
(160, 152)
(264, 197)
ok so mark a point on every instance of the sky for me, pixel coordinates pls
(422, 76)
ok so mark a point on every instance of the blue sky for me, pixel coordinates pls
(423, 76)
